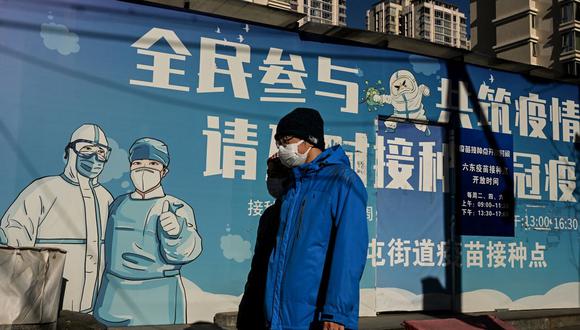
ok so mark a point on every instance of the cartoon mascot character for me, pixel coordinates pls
(406, 98)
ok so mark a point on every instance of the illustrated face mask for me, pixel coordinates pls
(89, 167)
(289, 155)
(145, 179)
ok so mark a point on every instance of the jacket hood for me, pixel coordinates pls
(334, 155)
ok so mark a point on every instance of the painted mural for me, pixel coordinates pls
(136, 138)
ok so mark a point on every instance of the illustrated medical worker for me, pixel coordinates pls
(406, 97)
(150, 236)
(68, 211)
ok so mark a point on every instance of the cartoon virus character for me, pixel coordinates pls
(406, 98)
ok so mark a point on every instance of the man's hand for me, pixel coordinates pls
(168, 220)
(276, 169)
(332, 326)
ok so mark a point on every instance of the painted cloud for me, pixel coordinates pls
(58, 37)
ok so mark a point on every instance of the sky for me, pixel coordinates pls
(356, 10)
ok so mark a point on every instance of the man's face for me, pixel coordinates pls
(302, 148)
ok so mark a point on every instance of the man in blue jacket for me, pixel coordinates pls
(317, 263)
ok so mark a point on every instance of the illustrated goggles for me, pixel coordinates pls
(87, 148)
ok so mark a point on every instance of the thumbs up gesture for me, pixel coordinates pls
(168, 220)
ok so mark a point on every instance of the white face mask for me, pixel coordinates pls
(289, 155)
(144, 179)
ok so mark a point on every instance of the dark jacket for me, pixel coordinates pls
(251, 311)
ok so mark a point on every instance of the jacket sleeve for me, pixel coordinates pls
(185, 246)
(349, 253)
(19, 225)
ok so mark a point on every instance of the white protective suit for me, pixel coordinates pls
(69, 212)
(406, 98)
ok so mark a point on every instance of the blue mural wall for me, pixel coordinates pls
(212, 90)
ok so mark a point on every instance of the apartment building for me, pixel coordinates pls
(536, 32)
(435, 21)
(281, 4)
(322, 11)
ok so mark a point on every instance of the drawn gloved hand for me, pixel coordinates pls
(168, 220)
(371, 96)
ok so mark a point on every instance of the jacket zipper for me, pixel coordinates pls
(296, 232)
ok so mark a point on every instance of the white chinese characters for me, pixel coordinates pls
(474, 254)
(224, 67)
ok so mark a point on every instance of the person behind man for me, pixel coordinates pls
(150, 235)
(69, 212)
(318, 260)
(250, 315)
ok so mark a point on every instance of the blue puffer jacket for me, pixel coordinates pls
(316, 266)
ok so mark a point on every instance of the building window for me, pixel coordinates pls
(572, 68)
(567, 41)
(567, 10)
(534, 49)
(577, 34)
(533, 21)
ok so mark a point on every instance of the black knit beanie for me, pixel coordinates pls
(303, 123)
